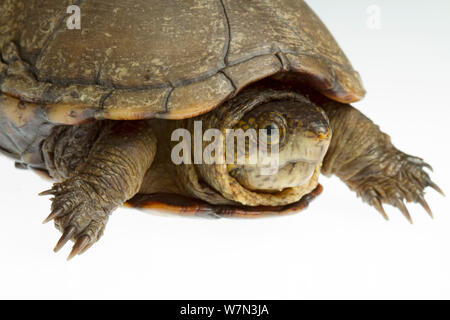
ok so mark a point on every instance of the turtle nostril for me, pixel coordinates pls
(323, 136)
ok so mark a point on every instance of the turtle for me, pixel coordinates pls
(98, 109)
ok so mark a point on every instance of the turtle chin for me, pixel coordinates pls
(290, 175)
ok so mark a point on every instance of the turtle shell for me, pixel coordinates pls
(176, 204)
(153, 59)
(163, 59)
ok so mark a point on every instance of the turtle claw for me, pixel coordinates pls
(86, 248)
(67, 235)
(56, 189)
(425, 205)
(401, 206)
(79, 246)
(435, 187)
(379, 206)
(54, 214)
(48, 192)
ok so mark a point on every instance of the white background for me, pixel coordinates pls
(338, 248)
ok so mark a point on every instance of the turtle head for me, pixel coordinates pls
(299, 133)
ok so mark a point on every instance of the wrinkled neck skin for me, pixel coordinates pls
(302, 147)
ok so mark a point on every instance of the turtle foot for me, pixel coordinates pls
(79, 212)
(404, 178)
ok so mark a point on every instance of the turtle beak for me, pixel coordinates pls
(324, 137)
(311, 145)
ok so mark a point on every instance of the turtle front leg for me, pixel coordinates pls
(365, 159)
(99, 166)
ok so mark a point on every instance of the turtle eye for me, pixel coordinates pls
(270, 128)
(273, 132)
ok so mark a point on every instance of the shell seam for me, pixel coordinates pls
(192, 80)
(51, 37)
(284, 61)
(167, 98)
(104, 98)
(230, 81)
(227, 34)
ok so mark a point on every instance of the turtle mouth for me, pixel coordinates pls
(296, 165)
(289, 175)
(292, 174)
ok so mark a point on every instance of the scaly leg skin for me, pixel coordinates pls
(365, 159)
(94, 182)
